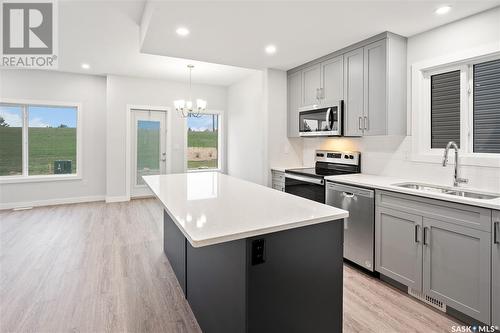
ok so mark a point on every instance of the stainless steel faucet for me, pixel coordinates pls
(456, 180)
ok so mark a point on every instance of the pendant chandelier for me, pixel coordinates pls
(185, 107)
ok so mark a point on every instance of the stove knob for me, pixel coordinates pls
(351, 157)
(346, 156)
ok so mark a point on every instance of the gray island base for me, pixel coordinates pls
(286, 281)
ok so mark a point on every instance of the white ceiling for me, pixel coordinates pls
(236, 32)
(105, 34)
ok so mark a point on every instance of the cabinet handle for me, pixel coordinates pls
(425, 236)
(365, 123)
(496, 226)
(417, 229)
(359, 123)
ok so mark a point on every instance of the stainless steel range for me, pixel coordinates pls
(310, 183)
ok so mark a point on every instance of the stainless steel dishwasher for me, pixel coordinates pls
(359, 227)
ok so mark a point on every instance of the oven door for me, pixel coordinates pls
(306, 187)
(326, 121)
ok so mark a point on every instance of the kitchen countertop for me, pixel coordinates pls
(283, 168)
(211, 208)
(386, 183)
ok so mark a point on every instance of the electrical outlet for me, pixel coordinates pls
(258, 251)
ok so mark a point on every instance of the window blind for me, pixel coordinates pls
(445, 109)
(486, 112)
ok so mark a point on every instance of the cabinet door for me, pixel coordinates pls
(375, 97)
(457, 267)
(353, 92)
(398, 248)
(332, 80)
(311, 82)
(294, 97)
(495, 311)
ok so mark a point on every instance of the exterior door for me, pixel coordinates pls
(149, 148)
(457, 267)
(398, 246)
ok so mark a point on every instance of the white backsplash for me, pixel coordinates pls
(391, 156)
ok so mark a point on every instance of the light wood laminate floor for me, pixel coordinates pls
(99, 267)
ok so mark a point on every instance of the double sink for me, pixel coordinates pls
(448, 190)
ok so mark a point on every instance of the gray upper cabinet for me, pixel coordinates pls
(457, 267)
(495, 259)
(370, 76)
(294, 99)
(311, 84)
(375, 88)
(398, 251)
(332, 80)
(354, 94)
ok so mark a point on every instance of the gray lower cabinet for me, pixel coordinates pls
(278, 180)
(294, 96)
(457, 267)
(495, 259)
(398, 251)
(439, 248)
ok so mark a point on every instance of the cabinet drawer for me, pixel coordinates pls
(464, 215)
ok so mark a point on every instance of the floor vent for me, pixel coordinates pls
(427, 299)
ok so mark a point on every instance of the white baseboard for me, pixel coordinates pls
(118, 198)
(51, 202)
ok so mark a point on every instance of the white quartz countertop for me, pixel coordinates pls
(387, 183)
(211, 208)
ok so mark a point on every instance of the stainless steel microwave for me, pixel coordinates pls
(321, 120)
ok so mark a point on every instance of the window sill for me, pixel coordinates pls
(480, 160)
(37, 179)
(204, 170)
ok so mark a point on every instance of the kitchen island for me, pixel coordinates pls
(249, 258)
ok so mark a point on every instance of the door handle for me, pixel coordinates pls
(348, 194)
(417, 232)
(365, 123)
(425, 236)
(328, 115)
(496, 226)
(359, 124)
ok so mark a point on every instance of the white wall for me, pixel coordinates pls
(281, 150)
(246, 129)
(391, 156)
(123, 91)
(88, 90)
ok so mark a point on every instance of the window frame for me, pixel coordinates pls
(220, 138)
(25, 177)
(421, 106)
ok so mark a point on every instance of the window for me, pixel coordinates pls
(38, 140)
(463, 102)
(203, 142)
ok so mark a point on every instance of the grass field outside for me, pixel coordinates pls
(203, 143)
(45, 145)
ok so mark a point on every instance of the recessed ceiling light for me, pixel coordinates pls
(270, 49)
(443, 10)
(181, 31)
(85, 66)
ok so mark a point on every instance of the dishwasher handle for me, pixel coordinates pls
(350, 191)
